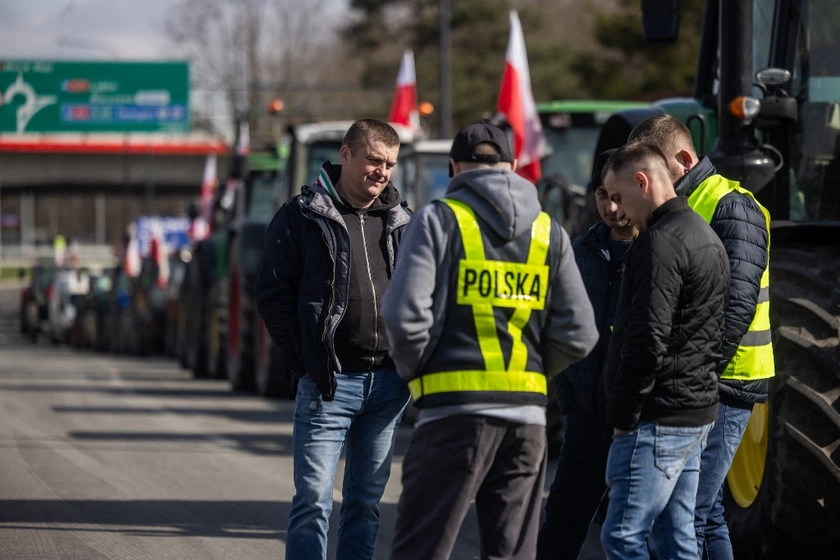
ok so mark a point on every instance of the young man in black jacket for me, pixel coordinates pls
(660, 383)
(743, 226)
(328, 259)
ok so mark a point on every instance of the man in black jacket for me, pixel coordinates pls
(328, 259)
(660, 382)
(743, 227)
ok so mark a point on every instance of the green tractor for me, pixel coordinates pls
(571, 129)
(766, 110)
(252, 210)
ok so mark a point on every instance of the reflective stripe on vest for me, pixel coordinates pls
(484, 284)
(754, 357)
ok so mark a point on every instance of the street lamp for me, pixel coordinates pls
(445, 101)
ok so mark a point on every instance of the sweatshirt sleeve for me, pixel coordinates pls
(569, 333)
(409, 308)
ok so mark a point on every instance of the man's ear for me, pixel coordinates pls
(686, 160)
(642, 181)
(344, 153)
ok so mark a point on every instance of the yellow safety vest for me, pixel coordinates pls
(754, 357)
(484, 284)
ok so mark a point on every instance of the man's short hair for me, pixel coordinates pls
(597, 178)
(365, 131)
(662, 131)
(636, 154)
(480, 143)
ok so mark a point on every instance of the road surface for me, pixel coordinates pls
(109, 457)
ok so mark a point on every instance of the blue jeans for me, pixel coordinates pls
(715, 461)
(578, 486)
(364, 417)
(652, 473)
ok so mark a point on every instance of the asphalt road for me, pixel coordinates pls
(108, 457)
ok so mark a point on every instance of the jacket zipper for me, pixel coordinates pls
(373, 290)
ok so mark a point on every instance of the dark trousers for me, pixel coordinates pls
(453, 461)
(579, 486)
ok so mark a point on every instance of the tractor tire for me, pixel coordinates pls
(216, 333)
(196, 325)
(782, 495)
(241, 328)
(181, 333)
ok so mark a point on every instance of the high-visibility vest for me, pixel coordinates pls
(484, 284)
(754, 357)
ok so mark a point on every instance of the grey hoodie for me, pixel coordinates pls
(415, 306)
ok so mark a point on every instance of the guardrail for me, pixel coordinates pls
(92, 256)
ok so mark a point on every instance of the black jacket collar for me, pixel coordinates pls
(671, 205)
(695, 176)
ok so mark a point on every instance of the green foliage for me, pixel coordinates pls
(614, 62)
(627, 67)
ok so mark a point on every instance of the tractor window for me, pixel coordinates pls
(817, 87)
(262, 192)
(571, 154)
(318, 154)
(763, 13)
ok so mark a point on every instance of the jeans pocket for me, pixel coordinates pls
(673, 446)
(308, 397)
(735, 422)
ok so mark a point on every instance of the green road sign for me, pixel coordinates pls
(52, 96)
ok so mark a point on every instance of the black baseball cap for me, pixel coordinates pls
(465, 142)
(598, 170)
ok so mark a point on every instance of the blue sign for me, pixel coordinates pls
(173, 230)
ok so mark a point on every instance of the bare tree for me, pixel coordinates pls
(249, 51)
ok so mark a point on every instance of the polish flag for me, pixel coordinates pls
(404, 107)
(209, 183)
(516, 103)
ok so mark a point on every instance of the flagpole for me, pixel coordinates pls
(445, 102)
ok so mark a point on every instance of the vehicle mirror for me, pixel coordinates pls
(773, 76)
(660, 20)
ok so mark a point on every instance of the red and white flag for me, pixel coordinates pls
(404, 109)
(209, 183)
(516, 103)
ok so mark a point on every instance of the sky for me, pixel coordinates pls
(89, 29)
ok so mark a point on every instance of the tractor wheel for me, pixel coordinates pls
(215, 340)
(196, 325)
(782, 496)
(241, 324)
(181, 333)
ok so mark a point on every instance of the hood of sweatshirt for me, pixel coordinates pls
(504, 200)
